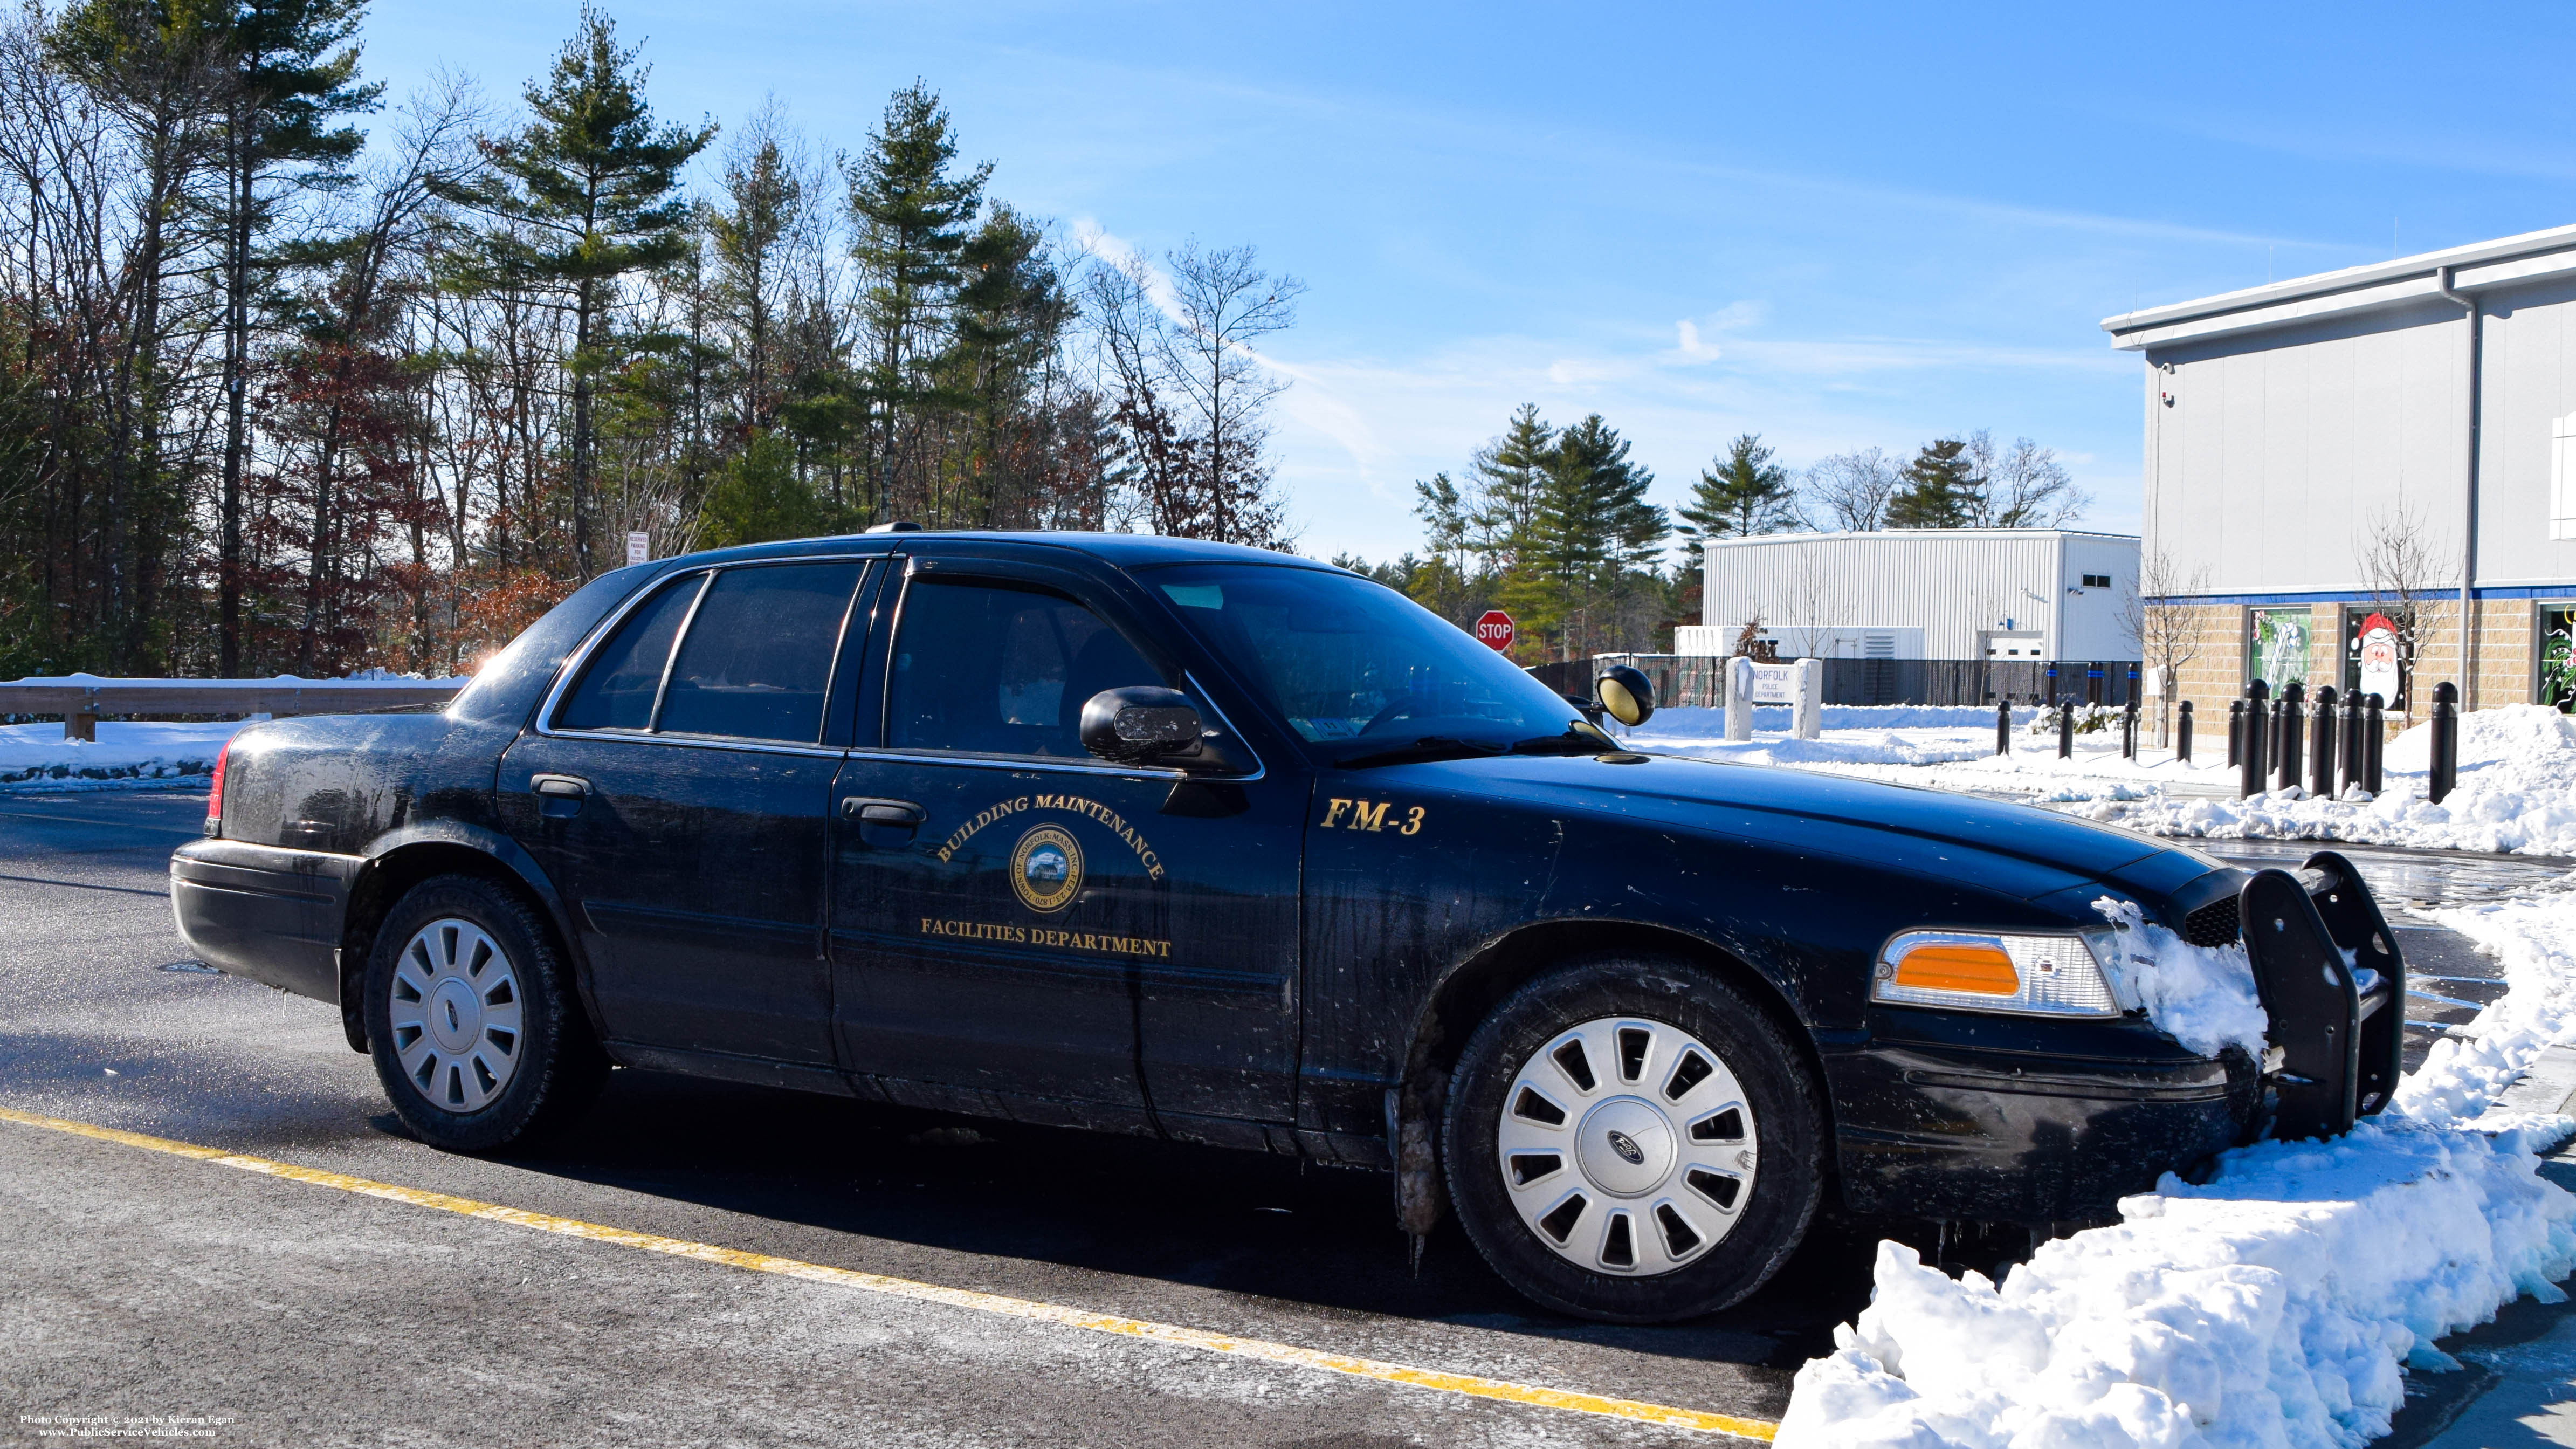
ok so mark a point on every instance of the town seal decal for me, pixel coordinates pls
(1046, 869)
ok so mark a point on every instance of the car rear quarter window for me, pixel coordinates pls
(758, 654)
(991, 668)
(617, 687)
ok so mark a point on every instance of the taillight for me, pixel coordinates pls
(215, 795)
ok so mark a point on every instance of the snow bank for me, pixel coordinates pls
(2516, 793)
(1702, 722)
(127, 753)
(2270, 1307)
(1853, 736)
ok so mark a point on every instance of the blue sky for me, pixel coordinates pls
(1837, 227)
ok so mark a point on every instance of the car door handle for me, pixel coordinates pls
(886, 824)
(882, 812)
(559, 797)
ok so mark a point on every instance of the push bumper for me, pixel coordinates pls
(265, 913)
(1944, 1115)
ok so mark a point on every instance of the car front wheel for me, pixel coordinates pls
(1632, 1140)
(468, 1018)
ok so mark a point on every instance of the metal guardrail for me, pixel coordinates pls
(80, 699)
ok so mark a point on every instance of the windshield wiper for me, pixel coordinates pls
(1572, 742)
(1428, 747)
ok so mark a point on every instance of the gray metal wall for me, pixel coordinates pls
(1953, 586)
(2281, 447)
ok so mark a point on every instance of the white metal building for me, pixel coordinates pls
(2007, 594)
(2285, 423)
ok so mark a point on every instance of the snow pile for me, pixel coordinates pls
(2201, 996)
(2271, 1307)
(1691, 721)
(2516, 793)
(1853, 736)
(127, 753)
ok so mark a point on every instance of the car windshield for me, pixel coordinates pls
(1363, 673)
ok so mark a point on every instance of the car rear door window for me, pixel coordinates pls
(996, 669)
(758, 656)
(617, 689)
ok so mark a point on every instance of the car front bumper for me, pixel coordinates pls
(1933, 1123)
(269, 914)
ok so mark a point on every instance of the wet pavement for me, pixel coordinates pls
(2447, 979)
(149, 1283)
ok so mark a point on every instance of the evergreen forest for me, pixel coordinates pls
(297, 376)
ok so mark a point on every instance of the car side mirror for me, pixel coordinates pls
(1627, 694)
(1140, 724)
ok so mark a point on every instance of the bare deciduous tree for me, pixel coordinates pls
(1222, 302)
(1849, 491)
(2023, 486)
(2156, 616)
(2403, 567)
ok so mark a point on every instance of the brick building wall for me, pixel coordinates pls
(2506, 673)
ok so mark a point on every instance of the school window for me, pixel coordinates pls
(2097, 581)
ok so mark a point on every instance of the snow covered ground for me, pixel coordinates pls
(2273, 1305)
(2516, 790)
(127, 754)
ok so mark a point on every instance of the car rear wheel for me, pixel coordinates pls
(1632, 1140)
(469, 1021)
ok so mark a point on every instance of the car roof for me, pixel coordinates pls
(1124, 550)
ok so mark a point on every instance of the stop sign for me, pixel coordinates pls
(1495, 629)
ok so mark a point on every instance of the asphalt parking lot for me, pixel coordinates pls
(262, 1309)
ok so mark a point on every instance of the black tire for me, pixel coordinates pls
(555, 1067)
(1776, 1088)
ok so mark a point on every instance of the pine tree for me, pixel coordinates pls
(764, 203)
(1744, 494)
(1591, 536)
(1939, 489)
(1510, 474)
(913, 218)
(1011, 313)
(291, 72)
(588, 193)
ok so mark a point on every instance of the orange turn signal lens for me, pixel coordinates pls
(1959, 966)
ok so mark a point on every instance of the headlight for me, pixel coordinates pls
(1995, 971)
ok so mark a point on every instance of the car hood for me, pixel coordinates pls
(2020, 849)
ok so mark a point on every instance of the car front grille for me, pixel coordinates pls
(2214, 924)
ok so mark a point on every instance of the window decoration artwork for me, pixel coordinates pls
(2558, 656)
(2374, 657)
(2278, 652)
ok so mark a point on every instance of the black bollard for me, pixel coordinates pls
(2003, 725)
(2293, 722)
(2129, 731)
(2182, 732)
(2065, 729)
(2446, 741)
(2321, 745)
(2249, 760)
(2374, 732)
(2352, 745)
(2235, 732)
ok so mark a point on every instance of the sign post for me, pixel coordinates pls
(1495, 630)
(639, 547)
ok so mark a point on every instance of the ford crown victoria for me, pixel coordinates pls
(1198, 842)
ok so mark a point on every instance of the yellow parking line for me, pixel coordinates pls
(1367, 1368)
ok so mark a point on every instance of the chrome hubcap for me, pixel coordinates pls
(455, 1016)
(1627, 1146)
